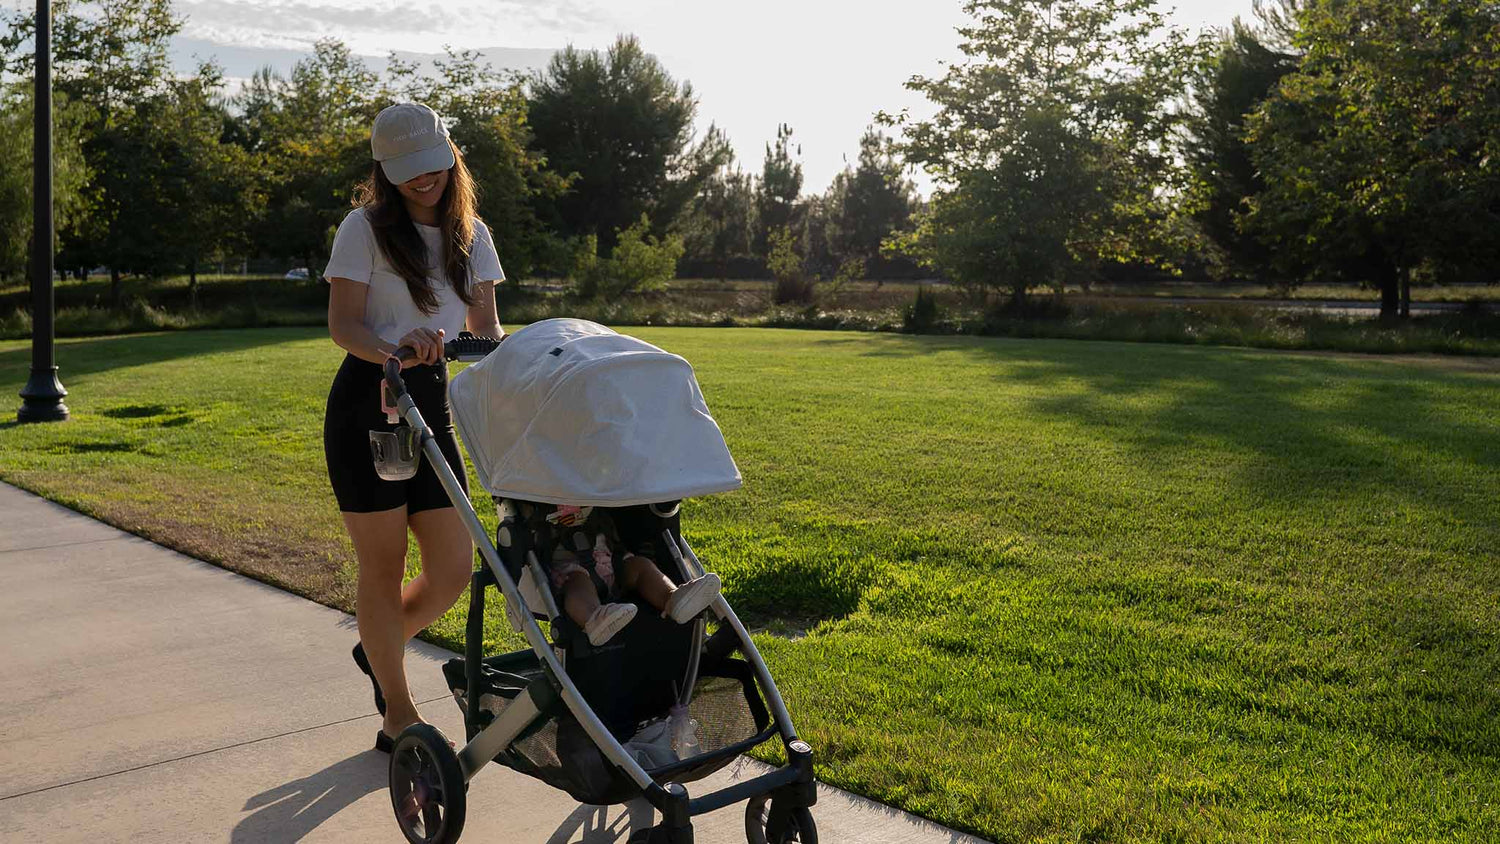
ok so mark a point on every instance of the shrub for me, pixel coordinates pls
(641, 262)
(922, 314)
(792, 284)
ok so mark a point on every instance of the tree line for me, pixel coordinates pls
(591, 169)
(1343, 140)
(1077, 141)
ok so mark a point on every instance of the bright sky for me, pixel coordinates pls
(823, 66)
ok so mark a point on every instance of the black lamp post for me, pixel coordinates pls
(42, 398)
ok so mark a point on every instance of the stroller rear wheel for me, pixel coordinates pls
(428, 790)
(764, 825)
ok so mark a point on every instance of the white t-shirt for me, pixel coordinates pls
(389, 309)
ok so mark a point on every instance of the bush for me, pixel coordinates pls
(922, 314)
(792, 284)
(640, 263)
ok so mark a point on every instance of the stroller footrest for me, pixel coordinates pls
(521, 713)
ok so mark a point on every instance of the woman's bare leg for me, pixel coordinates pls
(447, 564)
(380, 545)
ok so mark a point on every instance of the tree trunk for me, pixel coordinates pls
(1390, 292)
(1406, 292)
(193, 282)
(114, 286)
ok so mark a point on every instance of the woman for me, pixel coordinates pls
(411, 265)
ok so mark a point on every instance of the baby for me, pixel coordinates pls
(639, 574)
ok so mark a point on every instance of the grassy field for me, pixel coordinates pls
(1040, 590)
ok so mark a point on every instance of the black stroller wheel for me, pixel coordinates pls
(428, 791)
(796, 826)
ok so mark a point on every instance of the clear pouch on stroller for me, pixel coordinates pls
(396, 454)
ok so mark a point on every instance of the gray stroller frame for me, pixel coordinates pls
(429, 780)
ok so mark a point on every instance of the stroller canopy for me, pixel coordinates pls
(567, 411)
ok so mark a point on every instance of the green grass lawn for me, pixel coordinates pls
(1040, 590)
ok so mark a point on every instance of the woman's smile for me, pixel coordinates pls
(423, 194)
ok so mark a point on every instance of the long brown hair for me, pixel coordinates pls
(396, 234)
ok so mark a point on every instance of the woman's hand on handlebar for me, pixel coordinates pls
(428, 345)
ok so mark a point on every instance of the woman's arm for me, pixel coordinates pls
(483, 317)
(346, 324)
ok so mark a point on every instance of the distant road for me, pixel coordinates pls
(1333, 306)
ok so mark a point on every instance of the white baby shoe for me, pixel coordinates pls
(608, 620)
(693, 597)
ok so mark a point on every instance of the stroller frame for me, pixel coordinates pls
(791, 788)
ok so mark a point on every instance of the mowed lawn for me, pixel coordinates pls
(1040, 590)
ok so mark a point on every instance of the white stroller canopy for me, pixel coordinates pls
(567, 411)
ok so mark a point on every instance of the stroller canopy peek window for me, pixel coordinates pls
(542, 425)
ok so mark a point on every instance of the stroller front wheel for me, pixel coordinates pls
(428, 790)
(764, 825)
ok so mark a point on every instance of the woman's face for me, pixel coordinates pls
(425, 190)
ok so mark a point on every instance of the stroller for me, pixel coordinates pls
(567, 414)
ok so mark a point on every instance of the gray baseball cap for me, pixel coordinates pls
(408, 140)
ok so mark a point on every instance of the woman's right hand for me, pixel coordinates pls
(427, 343)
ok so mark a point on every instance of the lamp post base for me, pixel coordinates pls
(42, 399)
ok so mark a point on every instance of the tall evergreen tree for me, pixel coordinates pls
(621, 129)
(777, 191)
(1243, 70)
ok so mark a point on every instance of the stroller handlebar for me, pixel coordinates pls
(465, 347)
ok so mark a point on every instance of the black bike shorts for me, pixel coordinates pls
(354, 410)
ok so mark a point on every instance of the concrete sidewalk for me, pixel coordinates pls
(147, 696)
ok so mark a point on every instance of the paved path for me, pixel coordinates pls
(146, 696)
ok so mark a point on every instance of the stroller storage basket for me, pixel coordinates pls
(726, 704)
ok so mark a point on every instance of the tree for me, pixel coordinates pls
(1053, 147)
(209, 192)
(622, 128)
(867, 203)
(778, 190)
(1380, 154)
(486, 114)
(1242, 71)
(108, 56)
(719, 223)
(69, 177)
(312, 131)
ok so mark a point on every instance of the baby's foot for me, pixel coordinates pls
(606, 621)
(692, 598)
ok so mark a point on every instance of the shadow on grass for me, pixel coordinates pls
(1361, 490)
(1316, 424)
(90, 356)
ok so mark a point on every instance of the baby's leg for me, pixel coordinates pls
(645, 579)
(580, 600)
(680, 604)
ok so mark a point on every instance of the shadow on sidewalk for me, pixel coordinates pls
(592, 824)
(292, 811)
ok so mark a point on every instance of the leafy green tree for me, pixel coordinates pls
(486, 114)
(1052, 148)
(1380, 154)
(69, 177)
(778, 190)
(621, 127)
(209, 189)
(1244, 68)
(312, 131)
(867, 203)
(108, 56)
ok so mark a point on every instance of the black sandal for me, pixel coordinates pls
(383, 742)
(364, 665)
